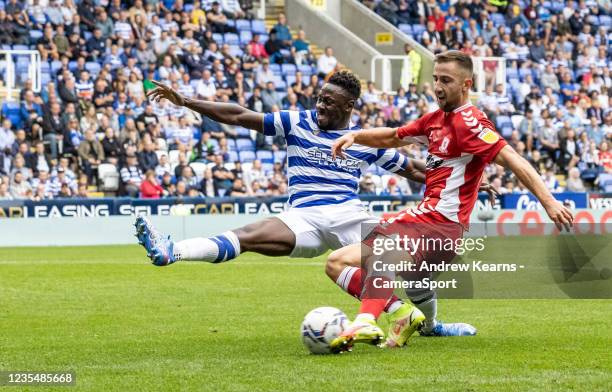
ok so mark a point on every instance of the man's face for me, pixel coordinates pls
(333, 107)
(451, 84)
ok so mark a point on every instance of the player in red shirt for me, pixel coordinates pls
(461, 141)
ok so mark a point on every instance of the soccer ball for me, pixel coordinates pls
(321, 326)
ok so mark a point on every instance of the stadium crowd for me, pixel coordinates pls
(98, 59)
(556, 108)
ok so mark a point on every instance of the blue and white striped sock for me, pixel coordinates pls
(223, 247)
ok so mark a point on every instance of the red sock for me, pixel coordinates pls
(375, 299)
(355, 285)
(350, 281)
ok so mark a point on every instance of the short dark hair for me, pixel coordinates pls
(348, 81)
(454, 56)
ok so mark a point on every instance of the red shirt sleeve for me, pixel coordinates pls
(477, 135)
(414, 131)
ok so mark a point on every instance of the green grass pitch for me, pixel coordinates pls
(124, 325)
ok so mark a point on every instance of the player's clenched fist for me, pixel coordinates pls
(163, 91)
(342, 144)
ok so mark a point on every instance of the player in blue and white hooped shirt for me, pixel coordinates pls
(324, 209)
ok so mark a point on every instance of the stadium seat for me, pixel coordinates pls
(218, 38)
(231, 39)
(199, 169)
(236, 51)
(247, 156)
(279, 156)
(55, 66)
(188, 7)
(245, 37)
(242, 132)
(10, 110)
(306, 70)
(265, 156)
(159, 153)
(498, 19)
(280, 84)
(290, 79)
(605, 21)
(405, 28)
(109, 177)
(173, 157)
(267, 168)
(243, 25)
(263, 38)
(35, 35)
(276, 69)
(288, 69)
(21, 47)
(93, 68)
(231, 145)
(418, 30)
(245, 145)
(45, 78)
(233, 156)
(258, 26)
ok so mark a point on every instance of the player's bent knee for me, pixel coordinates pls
(336, 262)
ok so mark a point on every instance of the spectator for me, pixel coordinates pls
(326, 63)
(131, 176)
(19, 186)
(574, 183)
(150, 188)
(223, 178)
(91, 153)
(147, 158)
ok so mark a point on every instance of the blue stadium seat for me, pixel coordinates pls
(243, 132)
(231, 22)
(267, 167)
(231, 145)
(243, 25)
(215, 143)
(231, 39)
(247, 156)
(2, 5)
(265, 156)
(218, 38)
(245, 37)
(45, 67)
(280, 84)
(276, 69)
(233, 156)
(306, 70)
(511, 73)
(258, 26)
(280, 155)
(417, 30)
(405, 28)
(10, 110)
(55, 66)
(593, 20)
(93, 67)
(245, 145)
(35, 35)
(290, 79)
(72, 65)
(606, 21)
(498, 19)
(21, 47)
(188, 7)
(523, 72)
(45, 78)
(236, 51)
(288, 69)
(263, 38)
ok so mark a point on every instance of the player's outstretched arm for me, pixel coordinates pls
(375, 137)
(227, 113)
(558, 213)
